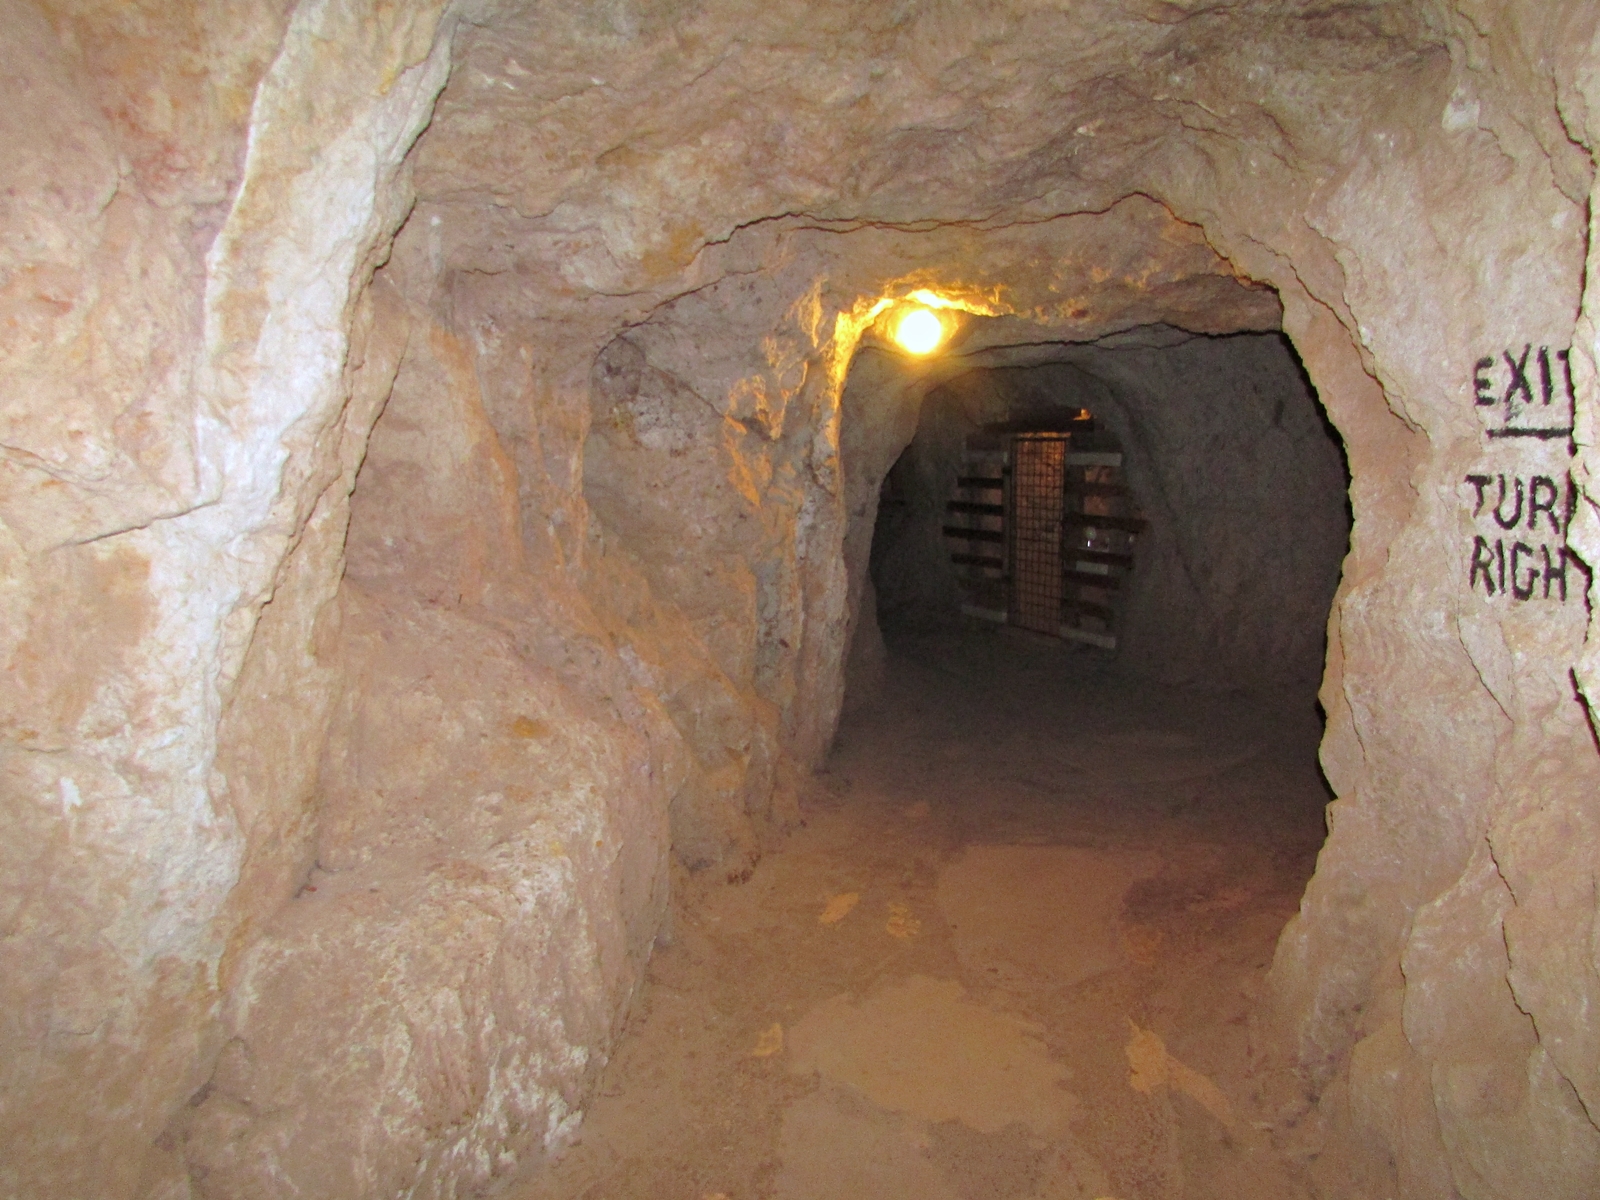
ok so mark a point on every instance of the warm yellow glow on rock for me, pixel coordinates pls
(919, 331)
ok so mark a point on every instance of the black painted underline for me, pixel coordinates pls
(1545, 434)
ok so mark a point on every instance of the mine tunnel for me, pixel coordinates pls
(728, 601)
(1074, 777)
(1079, 739)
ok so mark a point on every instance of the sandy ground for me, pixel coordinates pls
(1016, 950)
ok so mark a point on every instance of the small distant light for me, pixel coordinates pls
(919, 331)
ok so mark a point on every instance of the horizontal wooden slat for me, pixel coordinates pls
(979, 560)
(1110, 557)
(998, 615)
(980, 481)
(975, 535)
(1095, 638)
(976, 508)
(1088, 608)
(1080, 487)
(986, 593)
(1088, 580)
(1131, 524)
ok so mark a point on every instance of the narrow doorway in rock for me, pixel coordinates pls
(1220, 490)
(1042, 529)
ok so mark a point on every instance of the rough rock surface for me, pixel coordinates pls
(1017, 950)
(640, 246)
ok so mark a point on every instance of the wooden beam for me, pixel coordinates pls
(1087, 579)
(1079, 487)
(1104, 640)
(975, 535)
(1110, 557)
(985, 614)
(1131, 524)
(1088, 608)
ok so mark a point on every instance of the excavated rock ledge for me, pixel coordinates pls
(411, 539)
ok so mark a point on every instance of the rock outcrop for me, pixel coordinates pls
(411, 539)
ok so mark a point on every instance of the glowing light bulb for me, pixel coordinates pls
(919, 331)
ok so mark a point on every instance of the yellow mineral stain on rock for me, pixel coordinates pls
(769, 1043)
(838, 908)
(902, 924)
(527, 728)
(675, 250)
(1147, 1061)
(1151, 1070)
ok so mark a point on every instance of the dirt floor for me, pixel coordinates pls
(1016, 950)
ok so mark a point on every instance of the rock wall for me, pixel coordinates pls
(188, 221)
(597, 586)
(485, 871)
(1228, 458)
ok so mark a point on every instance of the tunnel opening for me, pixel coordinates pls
(1105, 832)
(1156, 513)
(1023, 849)
(1220, 489)
(595, 628)
(1040, 525)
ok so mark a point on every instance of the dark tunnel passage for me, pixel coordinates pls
(1225, 489)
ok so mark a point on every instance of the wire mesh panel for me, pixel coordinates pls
(1038, 498)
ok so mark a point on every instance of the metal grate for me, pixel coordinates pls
(1038, 502)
